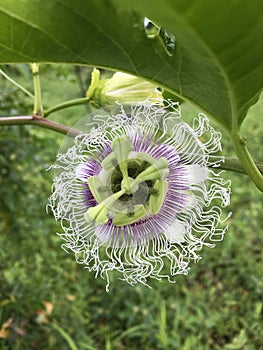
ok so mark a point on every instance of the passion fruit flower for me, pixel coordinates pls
(135, 194)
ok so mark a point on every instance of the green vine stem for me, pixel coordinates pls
(231, 164)
(78, 101)
(246, 160)
(38, 109)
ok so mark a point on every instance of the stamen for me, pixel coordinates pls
(95, 186)
(99, 213)
(153, 192)
(156, 201)
(131, 217)
(110, 162)
(159, 170)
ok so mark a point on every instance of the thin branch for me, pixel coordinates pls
(41, 122)
(16, 84)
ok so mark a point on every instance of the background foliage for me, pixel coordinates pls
(50, 302)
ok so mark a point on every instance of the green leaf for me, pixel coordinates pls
(216, 62)
(219, 52)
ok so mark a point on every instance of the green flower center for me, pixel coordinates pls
(130, 186)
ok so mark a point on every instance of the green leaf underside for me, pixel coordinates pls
(217, 60)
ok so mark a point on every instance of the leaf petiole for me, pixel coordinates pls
(67, 104)
(246, 160)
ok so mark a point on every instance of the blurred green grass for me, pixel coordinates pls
(53, 303)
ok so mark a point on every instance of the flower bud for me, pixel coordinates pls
(124, 88)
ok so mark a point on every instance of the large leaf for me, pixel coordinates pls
(217, 60)
(224, 37)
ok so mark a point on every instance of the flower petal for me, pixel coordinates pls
(175, 232)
